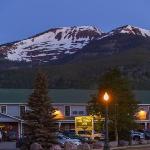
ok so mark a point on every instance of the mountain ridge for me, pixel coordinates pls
(93, 53)
(56, 43)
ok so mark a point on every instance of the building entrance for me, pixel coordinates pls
(9, 131)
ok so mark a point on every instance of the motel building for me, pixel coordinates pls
(68, 103)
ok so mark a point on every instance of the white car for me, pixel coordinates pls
(136, 135)
(62, 139)
(88, 134)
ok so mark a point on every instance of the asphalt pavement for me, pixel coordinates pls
(136, 147)
(8, 146)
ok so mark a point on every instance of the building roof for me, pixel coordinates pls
(61, 95)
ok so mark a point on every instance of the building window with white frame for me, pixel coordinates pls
(81, 112)
(75, 113)
(22, 110)
(3, 109)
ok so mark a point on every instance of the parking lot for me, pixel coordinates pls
(8, 146)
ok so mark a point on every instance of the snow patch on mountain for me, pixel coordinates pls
(128, 29)
(53, 43)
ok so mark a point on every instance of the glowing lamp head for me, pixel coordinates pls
(106, 96)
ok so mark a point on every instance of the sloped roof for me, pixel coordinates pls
(61, 95)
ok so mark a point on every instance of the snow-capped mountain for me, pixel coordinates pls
(128, 29)
(123, 39)
(76, 56)
(59, 43)
(50, 45)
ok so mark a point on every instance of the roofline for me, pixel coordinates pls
(60, 103)
(144, 104)
(52, 103)
(14, 103)
(11, 117)
(71, 103)
(142, 121)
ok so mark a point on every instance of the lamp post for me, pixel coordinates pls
(106, 144)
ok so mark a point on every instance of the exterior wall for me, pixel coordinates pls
(68, 121)
(79, 109)
(73, 107)
(13, 110)
(61, 108)
(75, 110)
(146, 108)
(144, 123)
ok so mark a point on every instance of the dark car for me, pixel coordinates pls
(20, 142)
(12, 136)
(146, 134)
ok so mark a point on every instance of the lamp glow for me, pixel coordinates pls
(58, 114)
(106, 96)
(142, 115)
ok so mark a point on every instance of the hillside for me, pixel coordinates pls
(77, 65)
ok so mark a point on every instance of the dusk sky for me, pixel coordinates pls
(20, 19)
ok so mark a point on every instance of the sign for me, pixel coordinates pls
(84, 123)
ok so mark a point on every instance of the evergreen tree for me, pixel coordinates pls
(122, 104)
(40, 118)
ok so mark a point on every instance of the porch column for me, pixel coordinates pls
(145, 125)
(59, 125)
(19, 128)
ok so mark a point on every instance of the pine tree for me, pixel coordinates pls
(122, 104)
(40, 120)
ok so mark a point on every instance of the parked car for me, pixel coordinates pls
(20, 142)
(1, 135)
(61, 139)
(136, 135)
(74, 136)
(12, 136)
(146, 134)
(88, 134)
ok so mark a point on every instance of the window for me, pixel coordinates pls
(3, 109)
(22, 110)
(67, 110)
(81, 112)
(74, 112)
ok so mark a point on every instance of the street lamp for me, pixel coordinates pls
(106, 144)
